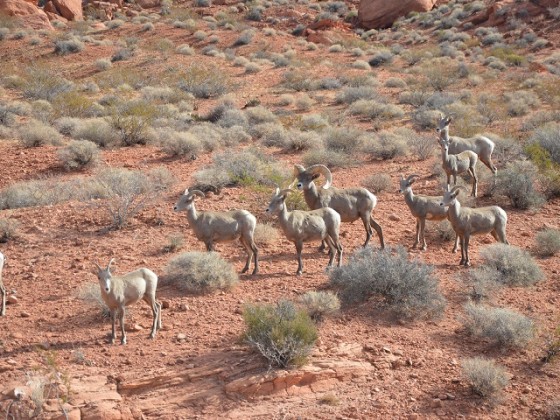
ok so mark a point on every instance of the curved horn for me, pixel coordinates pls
(277, 192)
(186, 191)
(298, 169)
(323, 170)
(286, 191)
(110, 262)
(457, 187)
(98, 266)
(411, 177)
(197, 193)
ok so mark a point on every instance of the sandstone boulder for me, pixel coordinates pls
(148, 4)
(29, 14)
(69, 9)
(375, 14)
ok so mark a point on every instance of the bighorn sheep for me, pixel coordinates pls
(304, 226)
(2, 288)
(457, 164)
(121, 291)
(350, 203)
(423, 208)
(479, 144)
(210, 227)
(468, 221)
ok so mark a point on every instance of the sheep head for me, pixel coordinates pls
(186, 199)
(305, 177)
(405, 183)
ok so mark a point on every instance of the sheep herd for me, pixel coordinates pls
(329, 207)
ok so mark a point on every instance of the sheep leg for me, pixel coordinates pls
(256, 257)
(467, 260)
(367, 227)
(462, 240)
(322, 246)
(159, 314)
(456, 244)
(3, 307)
(299, 249)
(417, 238)
(209, 246)
(249, 252)
(422, 227)
(121, 319)
(379, 232)
(340, 250)
(488, 162)
(151, 301)
(332, 250)
(113, 322)
(472, 171)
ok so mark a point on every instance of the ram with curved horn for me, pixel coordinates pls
(423, 208)
(351, 203)
(304, 226)
(467, 221)
(213, 226)
(478, 144)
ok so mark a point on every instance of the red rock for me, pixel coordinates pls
(69, 9)
(147, 4)
(375, 14)
(29, 14)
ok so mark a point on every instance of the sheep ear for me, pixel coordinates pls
(298, 169)
(110, 262)
(402, 177)
(186, 192)
(95, 270)
(277, 191)
(448, 120)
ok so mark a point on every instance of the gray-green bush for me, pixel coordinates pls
(511, 265)
(35, 133)
(320, 304)
(79, 154)
(548, 242)
(517, 182)
(407, 287)
(485, 377)
(200, 273)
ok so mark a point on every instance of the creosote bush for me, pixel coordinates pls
(79, 154)
(36, 133)
(485, 377)
(200, 273)
(282, 333)
(91, 294)
(548, 242)
(8, 229)
(266, 234)
(320, 304)
(517, 182)
(408, 288)
(204, 82)
(502, 327)
(378, 183)
(511, 265)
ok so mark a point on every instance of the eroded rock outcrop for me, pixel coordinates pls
(30, 15)
(376, 14)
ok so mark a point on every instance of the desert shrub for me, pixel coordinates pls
(502, 327)
(79, 154)
(244, 38)
(328, 157)
(265, 234)
(512, 266)
(163, 94)
(132, 119)
(103, 64)
(304, 102)
(483, 283)
(440, 73)
(548, 137)
(185, 49)
(548, 242)
(380, 58)
(343, 139)
(407, 288)
(115, 23)
(517, 182)
(351, 94)
(485, 377)
(388, 145)
(283, 334)
(4, 33)
(423, 146)
(182, 144)
(175, 242)
(271, 134)
(320, 304)
(90, 293)
(200, 273)
(395, 82)
(259, 115)
(204, 82)
(376, 111)
(378, 183)
(75, 104)
(36, 133)
(552, 410)
(313, 122)
(71, 45)
(97, 130)
(246, 167)
(425, 118)
(298, 141)
(123, 193)
(285, 100)
(123, 54)
(415, 97)
(361, 65)
(41, 83)
(254, 14)
(8, 229)
(36, 193)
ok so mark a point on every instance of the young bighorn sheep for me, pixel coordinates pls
(212, 226)
(2, 288)
(468, 221)
(121, 291)
(423, 208)
(457, 164)
(479, 144)
(350, 203)
(304, 226)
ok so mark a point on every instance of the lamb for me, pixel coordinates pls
(423, 208)
(121, 291)
(468, 221)
(457, 164)
(210, 227)
(479, 144)
(350, 203)
(2, 288)
(304, 226)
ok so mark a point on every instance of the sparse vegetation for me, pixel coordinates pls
(35, 134)
(485, 377)
(408, 288)
(282, 333)
(548, 242)
(511, 266)
(79, 154)
(200, 273)
(378, 183)
(320, 304)
(8, 229)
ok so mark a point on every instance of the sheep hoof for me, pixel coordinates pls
(244, 270)
(123, 341)
(424, 248)
(298, 273)
(255, 272)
